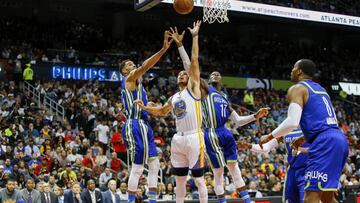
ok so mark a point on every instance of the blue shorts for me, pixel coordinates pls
(139, 140)
(294, 185)
(327, 156)
(220, 147)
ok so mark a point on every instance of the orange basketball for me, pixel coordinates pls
(183, 7)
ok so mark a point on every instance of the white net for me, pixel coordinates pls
(216, 10)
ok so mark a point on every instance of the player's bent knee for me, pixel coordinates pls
(197, 172)
(180, 171)
(154, 165)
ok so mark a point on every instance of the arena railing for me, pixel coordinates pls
(28, 88)
(49, 104)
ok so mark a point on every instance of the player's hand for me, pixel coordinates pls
(243, 145)
(263, 112)
(174, 34)
(167, 43)
(140, 103)
(296, 143)
(196, 27)
(151, 104)
(303, 149)
(265, 139)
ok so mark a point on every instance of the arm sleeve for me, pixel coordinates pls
(291, 122)
(241, 120)
(266, 147)
(185, 58)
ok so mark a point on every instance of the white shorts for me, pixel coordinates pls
(188, 150)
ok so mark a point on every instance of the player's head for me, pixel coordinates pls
(182, 78)
(304, 68)
(126, 66)
(215, 77)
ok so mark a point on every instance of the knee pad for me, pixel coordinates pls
(135, 173)
(154, 166)
(197, 172)
(137, 170)
(219, 181)
(236, 175)
(180, 171)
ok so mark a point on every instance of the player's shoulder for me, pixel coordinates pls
(297, 88)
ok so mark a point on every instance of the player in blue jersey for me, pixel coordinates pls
(219, 141)
(297, 158)
(310, 106)
(137, 132)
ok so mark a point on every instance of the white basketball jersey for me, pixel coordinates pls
(187, 111)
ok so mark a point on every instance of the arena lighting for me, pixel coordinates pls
(286, 12)
(350, 88)
(85, 73)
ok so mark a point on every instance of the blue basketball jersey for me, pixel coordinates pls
(299, 160)
(318, 114)
(215, 109)
(128, 98)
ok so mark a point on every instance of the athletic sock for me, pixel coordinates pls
(245, 196)
(152, 197)
(222, 200)
(131, 198)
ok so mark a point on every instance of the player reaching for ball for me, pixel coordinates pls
(187, 145)
(137, 132)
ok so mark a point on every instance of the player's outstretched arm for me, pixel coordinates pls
(257, 148)
(178, 40)
(194, 73)
(150, 62)
(156, 111)
(297, 96)
(243, 120)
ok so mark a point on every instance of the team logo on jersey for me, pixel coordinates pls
(180, 109)
(316, 175)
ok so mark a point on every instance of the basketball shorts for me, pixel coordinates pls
(188, 150)
(327, 156)
(294, 185)
(139, 140)
(220, 147)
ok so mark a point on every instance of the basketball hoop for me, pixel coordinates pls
(216, 10)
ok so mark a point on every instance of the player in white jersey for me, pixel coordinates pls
(187, 145)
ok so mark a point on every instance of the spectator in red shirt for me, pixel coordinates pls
(42, 167)
(88, 160)
(118, 144)
(115, 163)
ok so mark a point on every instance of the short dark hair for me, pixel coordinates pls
(307, 66)
(11, 180)
(122, 65)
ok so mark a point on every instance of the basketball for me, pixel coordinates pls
(183, 7)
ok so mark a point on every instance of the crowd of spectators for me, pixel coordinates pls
(88, 144)
(263, 58)
(332, 6)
